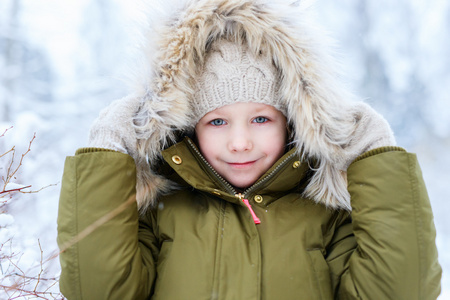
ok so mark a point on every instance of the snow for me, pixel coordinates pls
(68, 62)
(6, 220)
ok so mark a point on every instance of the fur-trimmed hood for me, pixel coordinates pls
(317, 101)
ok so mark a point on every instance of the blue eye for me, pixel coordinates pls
(260, 120)
(217, 122)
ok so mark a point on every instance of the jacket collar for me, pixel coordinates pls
(287, 174)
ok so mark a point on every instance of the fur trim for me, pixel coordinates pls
(310, 86)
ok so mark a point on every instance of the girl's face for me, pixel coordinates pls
(242, 141)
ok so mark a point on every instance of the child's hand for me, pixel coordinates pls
(371, 131)
(114, 128)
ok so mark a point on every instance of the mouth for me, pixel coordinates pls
(243, 165)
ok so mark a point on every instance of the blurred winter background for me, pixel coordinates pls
(62, 61)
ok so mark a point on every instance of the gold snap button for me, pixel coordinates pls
(216, 192)
(177, 160)
(296, 164)
(258, 199)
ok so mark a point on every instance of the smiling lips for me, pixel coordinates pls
(242, 165)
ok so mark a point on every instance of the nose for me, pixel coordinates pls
(240, 140)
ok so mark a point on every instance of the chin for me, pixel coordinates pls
(242, 184)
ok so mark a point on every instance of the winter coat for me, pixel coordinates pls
(326, 232)
(201, 242)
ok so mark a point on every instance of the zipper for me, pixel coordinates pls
(227, 186)
(269, 176)
(230, 189)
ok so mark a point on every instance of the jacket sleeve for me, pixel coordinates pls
(106, 253)
(388, 251)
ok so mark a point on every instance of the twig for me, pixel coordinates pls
(16, 190)
(42, 188)
(17, 283)
(12, 149)
(24, 293)
(25, 187)
(19, 287)
(8, 172)
(3, 134)
(42, 269)
(10, 175)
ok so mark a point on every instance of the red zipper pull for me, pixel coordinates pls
(255, 218)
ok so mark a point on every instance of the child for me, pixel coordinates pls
(238, 151)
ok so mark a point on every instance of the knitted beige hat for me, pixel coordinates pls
(231, 74)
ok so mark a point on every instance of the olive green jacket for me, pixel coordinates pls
(201, 241)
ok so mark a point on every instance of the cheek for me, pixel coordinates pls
(274, 141)
(207, 143)
(278, 145)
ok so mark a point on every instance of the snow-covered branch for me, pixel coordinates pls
(16, 282)
(11, 172)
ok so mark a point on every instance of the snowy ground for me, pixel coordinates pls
(77, 51)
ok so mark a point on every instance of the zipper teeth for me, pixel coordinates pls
(226, 184)
(258, 183)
